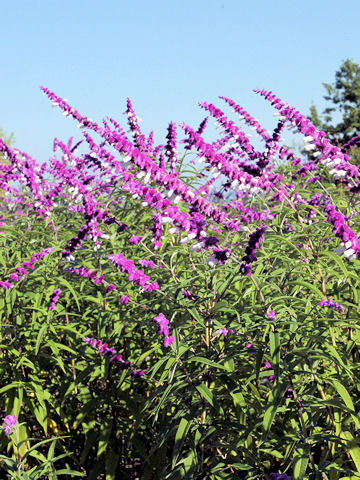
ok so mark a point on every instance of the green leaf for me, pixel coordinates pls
(276, 397)
(207, 394)
(353, 449)
(275, 352)
(301, 460)
(180, 435)
(347, 399)
(40, 336)
(66, 284)
(111, 463)
(206, 361)
(309, 286)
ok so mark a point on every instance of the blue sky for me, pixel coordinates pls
(166, 56)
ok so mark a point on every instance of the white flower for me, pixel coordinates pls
(196, 246)
(309, 146)
(349, 253)
(212, 261)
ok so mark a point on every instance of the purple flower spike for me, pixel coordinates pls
(105, 350)
(163, 324)
(134, 240)
(279, 476)
(122, 227)
(137, 373)
(224, 331)
(163, 329)
(54, 297)
(331, 304)
(110, 287)
(171, 150)
(250, 251)
(10, 423)
(6, 285)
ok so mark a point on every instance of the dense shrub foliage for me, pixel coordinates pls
(168, 316)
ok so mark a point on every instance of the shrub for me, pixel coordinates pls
(185, 315)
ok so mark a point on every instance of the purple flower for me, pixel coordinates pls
(271, 314)
(147, 263)
(54, 297)
(163, 324)
(331, 304)
(105, 350)
(170, 149)
(279, 476)
(163, 329)
(122, 227)
(250, 251)
(224, 331)
(268, 366)
(125, 299)
(188, 294)
(10, 423)
(137, 373)
(134, 240)
(110, 287)
(168, 341)
(137, 277)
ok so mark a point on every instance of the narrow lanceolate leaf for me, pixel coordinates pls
(275, 352)
(275, 400)
(259, 358)
(344, 394)
(207, 394)
(206, 361)
(181, 433)
(301, 460)
(39, 338)
(353, 448)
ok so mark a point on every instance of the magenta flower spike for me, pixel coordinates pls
(10, 422)
(163, 329)
(54, 297)
(171, 147)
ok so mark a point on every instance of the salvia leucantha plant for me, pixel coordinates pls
(183, 310)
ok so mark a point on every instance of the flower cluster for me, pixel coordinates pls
(148, 263)
(10, 422)
(137, 277)
(24, 269)
(224, 331)
(220, 256)
(92, 275)
(349, 241)
(331, 304)
(250, 251)
(163, 329)
(279, 476)
(107, 351)
(171, 147)
(271, 314)
(54, 297)
(328, 154)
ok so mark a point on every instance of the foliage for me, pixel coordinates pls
(341, 117)
(159, 335)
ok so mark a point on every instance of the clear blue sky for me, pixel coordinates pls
(166, 55)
